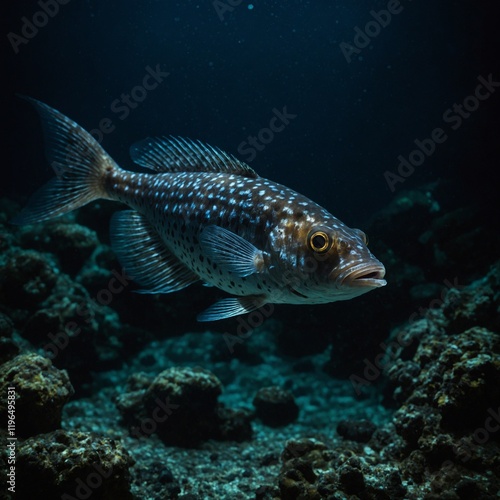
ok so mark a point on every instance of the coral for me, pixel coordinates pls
(130, 402)
(27, 279)
(166, 485)
(471, 384)
(180, 405)
(410, 212)
(459, 378)
(188, 399)
(41, 392)
(71, 243)
(96, 271)
(356, 430)
(72, 464)
(233, 424)
(477, 305)
(301, 458)
(449, 389)
(453, 237)
(79, 332)
(312, 470)
(275, 406)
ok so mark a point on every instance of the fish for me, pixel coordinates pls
(199, 214)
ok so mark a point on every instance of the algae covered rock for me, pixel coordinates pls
(275, 406)
(356, 430)
(449, 390)
(68, 465)
(181, 405)
(71, 243)
(312, 470)
(41, 392)
(27, 279)
(190, 395)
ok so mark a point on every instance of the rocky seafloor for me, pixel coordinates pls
(120, 395)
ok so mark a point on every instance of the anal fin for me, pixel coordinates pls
(233, 306)
(144, 256)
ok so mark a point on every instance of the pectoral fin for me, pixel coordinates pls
(230, 251)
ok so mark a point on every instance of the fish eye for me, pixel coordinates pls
(319, 241)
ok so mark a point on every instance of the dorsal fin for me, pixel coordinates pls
(177, 154)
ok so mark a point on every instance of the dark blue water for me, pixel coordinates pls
(356, 111)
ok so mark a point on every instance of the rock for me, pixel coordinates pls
(351, 480)
(448, 388)
(410, 212)
(356, 430)
(471, 383)
(475, 305)
(41, 392)
(234, 425)
(266, 492)
(166, 485)
(275, 406)
(410, 421)
(71, 243)
(188, 396)
(27, 279)
(312, 470)
(180, 405)
(454, 234)
(78, 332)
(64, 464)
(130, 402)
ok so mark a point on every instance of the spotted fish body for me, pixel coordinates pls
(204, 215)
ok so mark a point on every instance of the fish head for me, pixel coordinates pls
(328, 261)
(356, 270)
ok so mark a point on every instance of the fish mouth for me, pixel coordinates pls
(365, 275)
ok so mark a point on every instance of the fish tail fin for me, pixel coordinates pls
(80, 163)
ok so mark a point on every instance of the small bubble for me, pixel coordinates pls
(250, 6)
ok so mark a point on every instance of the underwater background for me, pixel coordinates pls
(393, 124)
